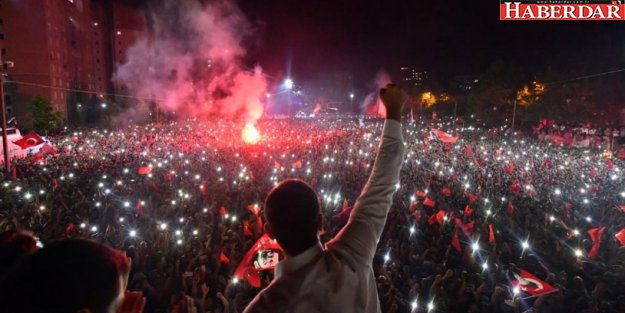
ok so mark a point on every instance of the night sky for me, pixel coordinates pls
(446, 38)
(311, 39)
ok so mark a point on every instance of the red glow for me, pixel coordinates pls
(250, 134)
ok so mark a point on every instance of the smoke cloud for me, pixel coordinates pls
(372, 105)
(191, 62)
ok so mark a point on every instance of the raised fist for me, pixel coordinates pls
(394, 99)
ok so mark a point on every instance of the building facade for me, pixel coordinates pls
(64, 51)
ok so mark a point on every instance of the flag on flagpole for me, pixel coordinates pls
(30, 140)
(595, 236)
(530, 284)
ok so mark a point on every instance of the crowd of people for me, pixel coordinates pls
(580, 135)
(181, 199)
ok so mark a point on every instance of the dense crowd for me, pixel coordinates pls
(580, 135)
(179, 199)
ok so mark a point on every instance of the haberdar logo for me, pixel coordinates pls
(553, 10)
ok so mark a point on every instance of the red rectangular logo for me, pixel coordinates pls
(565, 10)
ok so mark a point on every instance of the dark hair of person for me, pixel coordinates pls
(292, 211)
(14, 245)
(65, 277)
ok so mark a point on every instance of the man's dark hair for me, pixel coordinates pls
(14, 245)
(292, 211)
(65, 277)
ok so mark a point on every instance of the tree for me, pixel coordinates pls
(493, 100)
(44, 118)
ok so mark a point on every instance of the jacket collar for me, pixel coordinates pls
(295, 263)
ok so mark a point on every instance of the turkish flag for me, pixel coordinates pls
(620, 236)
(491, 234)
(468, 150)
(30, 140)
(440, 217)
(223, 211)
(510, 168)
(144, 170)
(297, 164)
(467, 211)
(69, 228)
(472, 197)
(223, 258)
(246, 269)
(445, 137)
(420, 194)
(622, 207)
(254, 209)
(595, 236)
(455, 242)
(530, 284)
(428, 202)
(446, 192)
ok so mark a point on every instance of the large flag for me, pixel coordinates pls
(444, 137)
(30, 140)
(530, 284)
(262, 256)
(595, 236)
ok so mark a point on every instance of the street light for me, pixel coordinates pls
(288, 84)
(5, 141)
